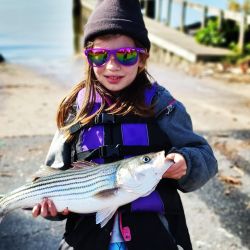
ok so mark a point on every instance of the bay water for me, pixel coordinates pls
(40, 33)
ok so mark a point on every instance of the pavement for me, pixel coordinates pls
(218, 214)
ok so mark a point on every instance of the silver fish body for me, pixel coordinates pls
(101, 189)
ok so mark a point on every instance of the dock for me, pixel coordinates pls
(181, 44)
(169, 41)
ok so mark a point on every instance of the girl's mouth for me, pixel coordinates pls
(113, 79)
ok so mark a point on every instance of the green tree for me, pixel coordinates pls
(234, 5)
(246, 6)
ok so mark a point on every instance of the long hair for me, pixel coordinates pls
(131, 100)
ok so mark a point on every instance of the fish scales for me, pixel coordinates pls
(50, 181)
(73, 175)
(79, 172)
(93, 188)
(66, 181)
(62, 193)
(89, 189)
(86, 182)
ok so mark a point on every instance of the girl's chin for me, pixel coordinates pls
(114, 89)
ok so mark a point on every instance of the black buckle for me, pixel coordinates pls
(110, 151)
(74, 128)
(104, 118)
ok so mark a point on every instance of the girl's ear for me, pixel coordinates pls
(142, 62)
(140, 68)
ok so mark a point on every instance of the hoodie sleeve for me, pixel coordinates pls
(60, 152)
(60, 155)
(177, 124)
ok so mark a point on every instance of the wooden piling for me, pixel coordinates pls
(242, 26)
(183, 15)
(169, 11)
(204, 16)
(77, 25)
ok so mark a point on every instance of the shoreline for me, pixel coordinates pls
(28, 106)
(30, 96)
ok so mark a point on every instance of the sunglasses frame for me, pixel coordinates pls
(113, 52)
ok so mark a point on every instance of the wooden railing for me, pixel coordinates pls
(242, 19)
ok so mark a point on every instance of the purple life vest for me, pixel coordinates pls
(114, 137)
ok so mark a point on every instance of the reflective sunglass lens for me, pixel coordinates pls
(127, 56)
(97, 58)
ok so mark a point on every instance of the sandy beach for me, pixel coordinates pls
(28, 107)
(28, 102)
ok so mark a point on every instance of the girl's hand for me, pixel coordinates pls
(47, 208)
(178, 169)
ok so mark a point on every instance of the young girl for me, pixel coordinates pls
(118, 112)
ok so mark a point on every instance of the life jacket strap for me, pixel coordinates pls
(105, 118)
(74, 128)
(118, 150)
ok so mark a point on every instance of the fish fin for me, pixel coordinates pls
(103, 216)
(106, 193)
(44, 170)
(83, 164)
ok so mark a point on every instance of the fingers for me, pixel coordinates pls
(36, 210)
(65, 211)
(45, 208)
(174, 172)
(178, 169)
(170, 156)
(51, 208)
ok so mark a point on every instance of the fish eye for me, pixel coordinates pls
(146, 159)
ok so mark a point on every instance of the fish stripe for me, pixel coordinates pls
(74, 174)
(109, 179)
(56, 194)
(74, 177)
(84, 171)
(71, 186)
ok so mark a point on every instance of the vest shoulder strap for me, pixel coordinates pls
(118, 150)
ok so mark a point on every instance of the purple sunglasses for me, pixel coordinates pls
(97, 57)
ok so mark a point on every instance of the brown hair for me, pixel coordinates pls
(124, 104)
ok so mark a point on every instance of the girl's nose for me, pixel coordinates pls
(112, 64)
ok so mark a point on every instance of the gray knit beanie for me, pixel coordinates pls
(117, 17)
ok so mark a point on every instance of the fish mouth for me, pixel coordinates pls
(159, 162)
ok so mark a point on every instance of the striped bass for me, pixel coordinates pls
(92, 188)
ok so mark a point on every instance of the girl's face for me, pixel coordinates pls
(113, 75)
